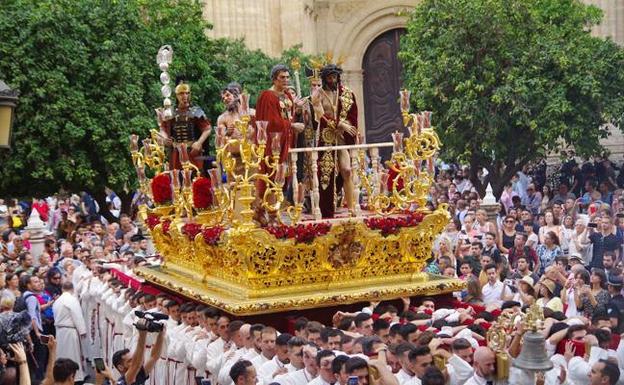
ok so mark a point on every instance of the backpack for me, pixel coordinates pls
(20, 303)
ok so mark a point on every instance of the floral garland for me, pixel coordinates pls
(152, 220)
(165, 226)
(202, 194)
(191, 230)
(301, 233)
(212, 235)
(393, 225)
(161, 189)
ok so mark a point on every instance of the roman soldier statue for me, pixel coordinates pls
(188, 126)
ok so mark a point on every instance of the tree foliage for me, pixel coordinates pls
(87, 76)
(510, 80)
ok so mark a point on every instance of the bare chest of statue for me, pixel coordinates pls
(329, 101)
(228, 119)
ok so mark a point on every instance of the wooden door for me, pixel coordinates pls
(382, 82)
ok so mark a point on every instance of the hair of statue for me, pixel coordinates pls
(234, 88)
(277, 69)
(330, 69)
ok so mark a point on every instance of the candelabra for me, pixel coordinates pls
(246, 171)
(152, 155)
(405, 183)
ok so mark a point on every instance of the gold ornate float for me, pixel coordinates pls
(216, 253)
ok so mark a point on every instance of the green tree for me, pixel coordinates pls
(510, 80)
(87, 75)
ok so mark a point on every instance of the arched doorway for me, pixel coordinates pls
(382, 82)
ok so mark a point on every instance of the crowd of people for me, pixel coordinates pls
(555, 245)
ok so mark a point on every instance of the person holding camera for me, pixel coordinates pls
(131, 366)
(19, 364)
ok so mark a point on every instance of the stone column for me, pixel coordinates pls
(36, 229)
(489, 204)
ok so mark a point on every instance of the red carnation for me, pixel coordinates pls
(161, 189)
(152, 221)
(191, 230)
(212, 235)
(165, 226)
(202, 193)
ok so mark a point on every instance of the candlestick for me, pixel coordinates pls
(251, 134)
(300, 193)
(276, 143)
(405, 100)
(397, 140)
(183, 152)
(244, 99)
(187, 177)
(280, 177)
(215, 177)
(140, 174)
(427, 119)
(134, 143)
(175, 180)
(261, 132)
(420, 120)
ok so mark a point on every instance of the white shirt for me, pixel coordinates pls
(403, 376)
(258, 361)
(492, 293)
(318, 381)
(299, 377)
(268, 368)
(413, 381)
(459, 370)
(228, 361)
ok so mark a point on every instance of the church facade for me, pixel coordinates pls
(365, 33)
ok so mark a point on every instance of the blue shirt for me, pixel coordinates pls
(34, 310)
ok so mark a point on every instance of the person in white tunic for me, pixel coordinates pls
(221, 346)
(325, 376)
(484, 367)
(305, 375)
(279, 364)
(402, 352)
(238, 332)
(267, 348)
(70, 328)
(243, 373)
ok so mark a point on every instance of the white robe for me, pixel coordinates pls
(459, 370)
(70, 325)
(228, 361)
(299, 377)
(265, 374)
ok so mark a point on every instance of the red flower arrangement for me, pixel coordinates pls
(301, 233)
(161, 189)
(191, 230)
(202, 193)
(165, 226)
(392, 225)
(152, 220)
(212, 235)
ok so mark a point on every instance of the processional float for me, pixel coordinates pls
(216, 253)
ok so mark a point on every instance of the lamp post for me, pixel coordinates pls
(8, 101)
